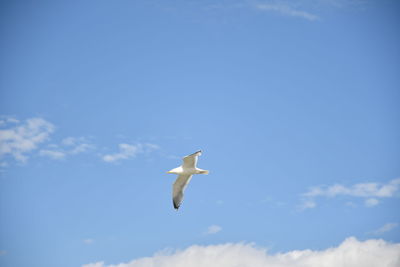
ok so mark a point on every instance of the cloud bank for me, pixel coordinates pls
(351, 253)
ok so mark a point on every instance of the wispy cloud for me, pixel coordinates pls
(54, 154)
(357, 190)
(76, 145)
(287, 10)
(20, 138)
(370, 202)
(371, 192)
(127, 151)
(307, 204)
(6, 120)
(351, 253)
(68, 146)
(88, 241)
(386, 228)
(213, 229)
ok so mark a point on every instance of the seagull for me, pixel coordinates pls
(185, 173)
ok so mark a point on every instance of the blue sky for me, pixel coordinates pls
(294, 104)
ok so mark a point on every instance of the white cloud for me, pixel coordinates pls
(386, 228)
(351, 253)
(371, 191)
(22, 138)
(127, 151)
(287, 10)
(213, 229)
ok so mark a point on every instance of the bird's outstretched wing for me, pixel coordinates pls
(190, 161)
(179, 188)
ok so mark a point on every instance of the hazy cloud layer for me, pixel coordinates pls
(370, 192)
(351, 253)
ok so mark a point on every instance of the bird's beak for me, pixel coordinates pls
(168, 172)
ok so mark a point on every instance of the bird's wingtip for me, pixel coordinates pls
(197, 153)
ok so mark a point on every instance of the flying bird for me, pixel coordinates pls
(185, 173)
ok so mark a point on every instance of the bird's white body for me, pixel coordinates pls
(185, 173)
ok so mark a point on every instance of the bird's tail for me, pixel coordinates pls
(203, 172)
